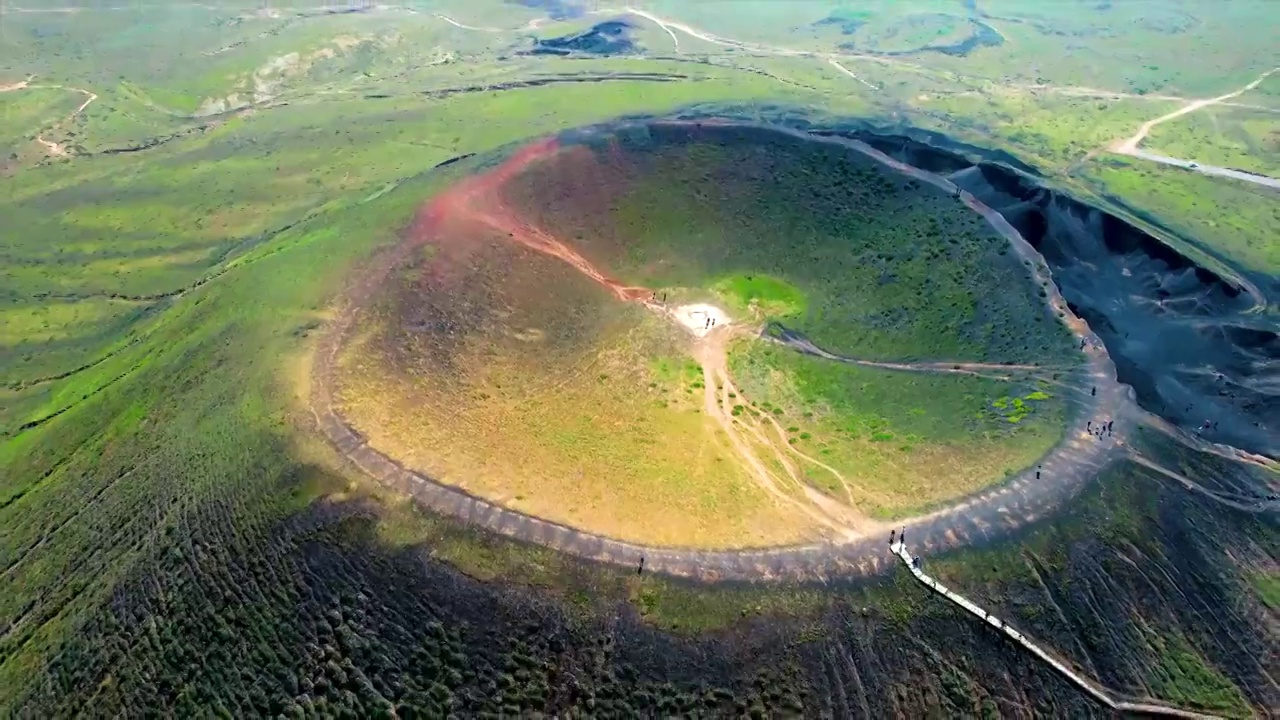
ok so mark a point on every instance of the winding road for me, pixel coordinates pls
(1130, 146)
(50, 146)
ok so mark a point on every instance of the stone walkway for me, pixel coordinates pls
(1086, 684)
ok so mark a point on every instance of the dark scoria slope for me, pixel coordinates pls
(1181, 336)
(607, 38)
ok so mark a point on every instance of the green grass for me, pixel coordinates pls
(26, 113)
(904, 442)
(774, 298)
(1239, 138)
(1268, 586)
(1234, 220)
(887, 270)
(1186, 679)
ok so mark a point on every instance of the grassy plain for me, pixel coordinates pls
(174, 540)
(1240, 138)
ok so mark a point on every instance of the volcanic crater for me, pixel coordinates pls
(705, 336)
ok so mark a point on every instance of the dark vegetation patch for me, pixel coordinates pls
(562, 79)
(316, 615)
(607, 38)
(867, 36)
(313, 612)
(848, 20)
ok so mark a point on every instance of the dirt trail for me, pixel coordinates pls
(51, 147)
(478, 199)
(795, 340)
(1129, 146)
(713, 377)
(1237, 502)
(464, 26)
(712, 352)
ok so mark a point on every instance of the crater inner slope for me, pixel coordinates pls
(532, 344)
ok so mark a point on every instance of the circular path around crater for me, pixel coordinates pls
(1024, 498)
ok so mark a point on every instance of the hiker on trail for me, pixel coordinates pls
(892, 535)
(1088, 426)
(1037, 472)
(641, 568)
(1094, 391)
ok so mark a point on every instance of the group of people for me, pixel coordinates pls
(1103, 429)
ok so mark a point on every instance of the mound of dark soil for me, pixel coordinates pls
(606, 38)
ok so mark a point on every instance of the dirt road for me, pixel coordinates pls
(1129, 146)
(51, 147)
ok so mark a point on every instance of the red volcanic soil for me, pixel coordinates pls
(450, 220)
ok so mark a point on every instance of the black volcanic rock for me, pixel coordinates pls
(611, 37)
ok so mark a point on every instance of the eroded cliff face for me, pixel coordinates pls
(1185, 338)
